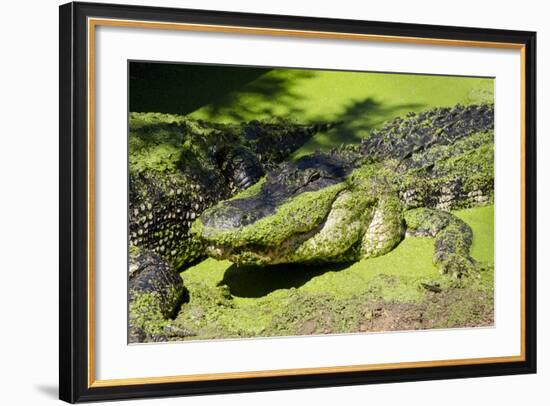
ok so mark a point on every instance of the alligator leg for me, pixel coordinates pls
(453, 239)
(155, 293)
(386, 228)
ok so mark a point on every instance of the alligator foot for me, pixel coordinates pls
(453, 239)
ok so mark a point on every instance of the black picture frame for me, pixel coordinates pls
(74, 384)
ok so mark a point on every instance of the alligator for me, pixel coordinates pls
(359, 201)
(178, 167)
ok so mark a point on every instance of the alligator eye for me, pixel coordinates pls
(314, 176)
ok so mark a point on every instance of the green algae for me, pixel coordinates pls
(145, 313)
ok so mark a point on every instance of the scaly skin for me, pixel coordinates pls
(359, 201)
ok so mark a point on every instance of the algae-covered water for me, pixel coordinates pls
(397, 291)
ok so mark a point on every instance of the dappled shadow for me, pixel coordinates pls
(274, 94)
(258, 281)
(235, 92)
(356, 121)
(182, 88)
(360, 117)
(239, 94)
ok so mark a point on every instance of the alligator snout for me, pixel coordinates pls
(230, 215)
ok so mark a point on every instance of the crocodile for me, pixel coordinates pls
(359, 201)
